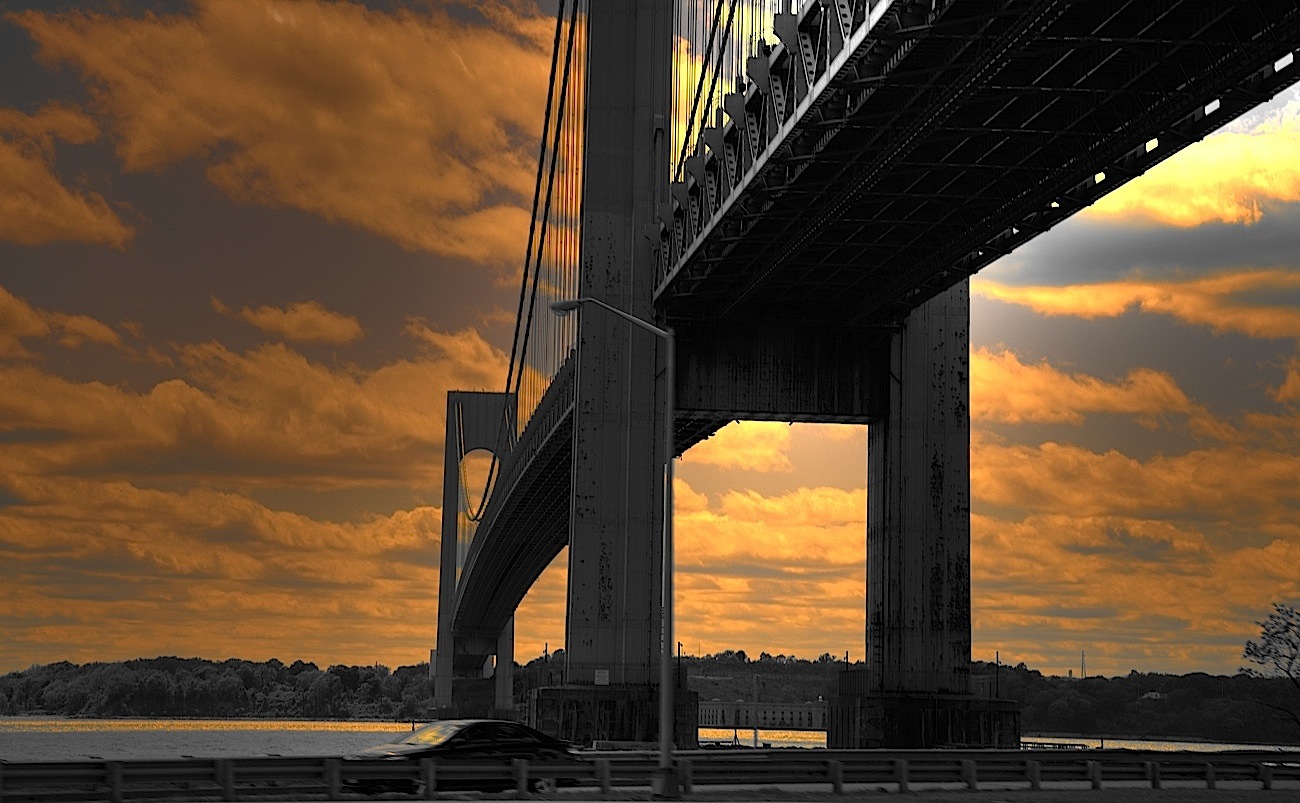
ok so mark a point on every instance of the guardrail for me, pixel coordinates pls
(328, 777)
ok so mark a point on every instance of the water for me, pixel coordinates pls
(762, 737)
(56, 739)
(1143, 744)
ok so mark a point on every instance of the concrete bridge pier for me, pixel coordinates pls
(613, 631)
(915, 689)
(918, 506)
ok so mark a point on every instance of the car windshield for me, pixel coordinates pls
(434, 733)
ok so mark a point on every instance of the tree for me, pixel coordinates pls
(1278, 652)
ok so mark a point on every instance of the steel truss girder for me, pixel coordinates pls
(1040, 115)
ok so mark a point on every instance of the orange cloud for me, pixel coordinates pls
(35, 206)
(1289, 391)
(751, 445)
(1005, 390)
(1229, 178)
(142, 571)
(19, 320)
(783, 573)
(418, 128)
(1132, 592)
(78, 329)
(139, 508)
(1211, 301)
(303, 322)
(266, 416)
(1221, 483)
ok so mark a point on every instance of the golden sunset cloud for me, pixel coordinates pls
(245, 417)
(1230, 177)
(1224, 483)
(1135, 593)
(779, 573)
(36, 206)
(137, 506)
(1005, 390)
(200, 572)
(1225, 302)
(20, 320)
(752, 445)
(301, 322)
(420, 128)
(1289, 391)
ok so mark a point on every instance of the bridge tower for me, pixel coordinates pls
(613, 627)
(471, 678)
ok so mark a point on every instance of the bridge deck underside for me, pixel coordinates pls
(517, 541)
(949, 139)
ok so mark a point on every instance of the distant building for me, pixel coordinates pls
(741, 714)
(1154, 695)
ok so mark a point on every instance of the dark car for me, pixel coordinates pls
(457, 745)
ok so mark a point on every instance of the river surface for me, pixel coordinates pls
(58, 739)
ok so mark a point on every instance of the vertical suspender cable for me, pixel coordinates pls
(699, 85)
(550, 184)
(515, 343)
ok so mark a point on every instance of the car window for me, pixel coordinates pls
(513, 733)
(433, 734)
(483, 733)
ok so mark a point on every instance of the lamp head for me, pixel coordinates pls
(563, 308)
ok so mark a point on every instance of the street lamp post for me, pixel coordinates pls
(665, 781)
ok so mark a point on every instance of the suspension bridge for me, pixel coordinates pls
(798, 193)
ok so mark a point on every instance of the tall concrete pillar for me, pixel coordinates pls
(918, 508)
(613, 626)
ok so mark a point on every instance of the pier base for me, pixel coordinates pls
(473, 698)
(859, 719)
(612, 717)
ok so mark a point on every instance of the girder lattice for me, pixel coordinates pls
(865, 169)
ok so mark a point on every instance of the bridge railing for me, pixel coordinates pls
(328, 777)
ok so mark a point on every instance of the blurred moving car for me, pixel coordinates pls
(491, 744)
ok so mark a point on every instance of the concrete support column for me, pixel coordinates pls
(613, 626)
(918, 507)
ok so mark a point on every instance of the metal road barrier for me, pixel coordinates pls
(329, 777)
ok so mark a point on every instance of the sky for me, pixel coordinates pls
(247, 246)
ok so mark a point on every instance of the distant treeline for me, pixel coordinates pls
(193, 687)
(1236, 709)
(1195, 706)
